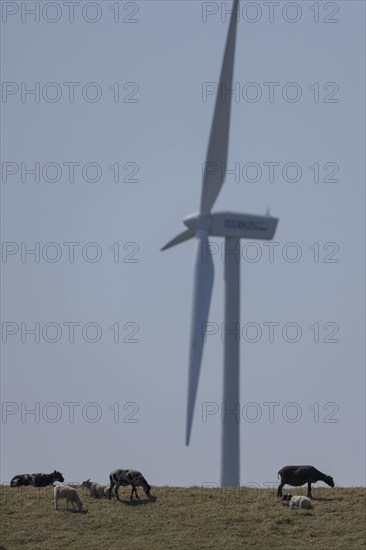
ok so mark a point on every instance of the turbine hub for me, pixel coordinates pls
(198, 221)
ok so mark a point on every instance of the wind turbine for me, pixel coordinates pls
(233, 227)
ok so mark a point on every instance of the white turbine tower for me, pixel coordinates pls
(233, 227)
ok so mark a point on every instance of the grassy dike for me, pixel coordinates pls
(180, 518)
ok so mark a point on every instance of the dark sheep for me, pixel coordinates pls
(21, 480)
(37, 480)
(299, 475)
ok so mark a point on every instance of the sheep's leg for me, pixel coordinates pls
(115, 490)
(279, 490)
(134, 490)
(110, 489)
(309, 490)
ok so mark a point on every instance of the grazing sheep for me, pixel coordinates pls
(37, 480)
(299, 475)
(96, 490)
(300, 502)
(70, 494)
(128, 477)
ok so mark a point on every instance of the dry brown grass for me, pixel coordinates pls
(193, 518)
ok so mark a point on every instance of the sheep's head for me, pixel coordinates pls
(58, 476)
(86, 483)
(147, 490)
(287, 497)
(80, 506)
(329, 481)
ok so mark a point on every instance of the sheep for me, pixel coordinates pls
(128, 477)
(296, 501)
(96, 490)
(70, 494)
(37, 480)
(300, 502)
(20, 480)
(299, 475)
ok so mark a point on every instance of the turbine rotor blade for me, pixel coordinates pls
(216, 159)
(203, 283)
(185, 236)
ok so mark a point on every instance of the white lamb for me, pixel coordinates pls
(300, 502)
(95, 489)
(70, 494)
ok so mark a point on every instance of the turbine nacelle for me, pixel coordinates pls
(231, 224)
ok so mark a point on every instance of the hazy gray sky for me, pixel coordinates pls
(116, 132)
